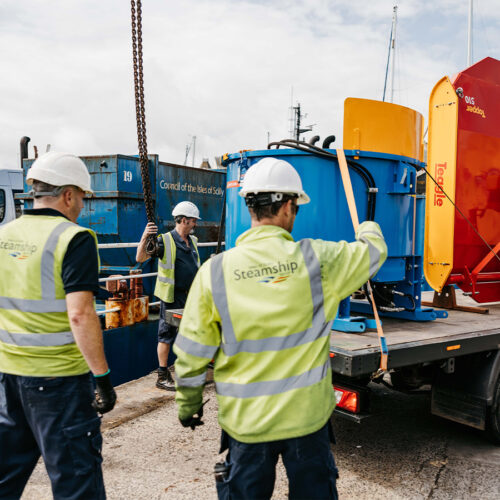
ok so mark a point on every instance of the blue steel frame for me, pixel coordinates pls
(399, 211)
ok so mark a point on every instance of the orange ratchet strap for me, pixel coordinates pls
(346, 181)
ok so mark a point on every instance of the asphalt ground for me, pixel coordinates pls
(401, 452)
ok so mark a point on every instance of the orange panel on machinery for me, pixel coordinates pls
(474, 168)
(383, 127)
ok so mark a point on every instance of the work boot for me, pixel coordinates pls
(165, 380)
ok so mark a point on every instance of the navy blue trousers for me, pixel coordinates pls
(52, 417)
(167, 333)
(309, 463)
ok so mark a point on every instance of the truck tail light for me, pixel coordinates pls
(347, 399)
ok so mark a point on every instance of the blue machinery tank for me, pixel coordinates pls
(399, 210)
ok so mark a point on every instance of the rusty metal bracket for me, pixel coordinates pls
(447, 299)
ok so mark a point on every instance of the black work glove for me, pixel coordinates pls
(105, 395)
(193, 421)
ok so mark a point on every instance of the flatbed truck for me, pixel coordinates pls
(458, 357)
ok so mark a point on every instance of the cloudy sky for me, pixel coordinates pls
(220, 70)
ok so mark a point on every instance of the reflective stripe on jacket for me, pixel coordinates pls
(263, 311)
(165, 282)
(35, 333)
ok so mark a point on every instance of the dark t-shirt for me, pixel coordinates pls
(186, 263)
(186, 267)
(80, 271)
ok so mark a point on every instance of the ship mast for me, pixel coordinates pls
(393, 47)
(392, 52)
(469, 34)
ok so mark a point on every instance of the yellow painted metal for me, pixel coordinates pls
(442, 162)
(346, 181)
(383, 127)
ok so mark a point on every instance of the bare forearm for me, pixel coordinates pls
(87, 330)
(88, 336)
(141, 255)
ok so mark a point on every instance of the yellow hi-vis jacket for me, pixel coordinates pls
(165, 282)
(35, 333)
(263, 311)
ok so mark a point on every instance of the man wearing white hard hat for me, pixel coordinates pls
(178, 263)
(50, 337)
(263, 311)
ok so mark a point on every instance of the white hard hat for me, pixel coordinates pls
(271, 175)
(186, 209)
(60, 169)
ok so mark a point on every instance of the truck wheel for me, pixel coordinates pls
(493, 416)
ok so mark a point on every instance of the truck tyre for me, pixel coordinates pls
(493, 416)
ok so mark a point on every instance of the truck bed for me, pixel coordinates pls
(409, 342)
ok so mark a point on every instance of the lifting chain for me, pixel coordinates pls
(140, 112)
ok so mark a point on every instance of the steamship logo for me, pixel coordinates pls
(272, 273)
(274, 279)
(19, 255)
(19, 250)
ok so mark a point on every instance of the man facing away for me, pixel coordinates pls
(263, 310)
(177, 266)
(50, 336)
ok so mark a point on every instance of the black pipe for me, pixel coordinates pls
(362, 171)
(359, 169)
(329, 140)
(24, 148)
(313, 140)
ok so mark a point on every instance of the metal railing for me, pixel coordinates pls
(116, 309)
(127, 277)
(103, 246)
(132, 245)
(104, 311)
(135, 245)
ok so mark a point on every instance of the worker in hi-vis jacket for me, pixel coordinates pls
(263, 311)
(50, 336)
(178, 263)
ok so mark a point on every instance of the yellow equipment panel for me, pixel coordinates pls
(383, 127)
(441, 164)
